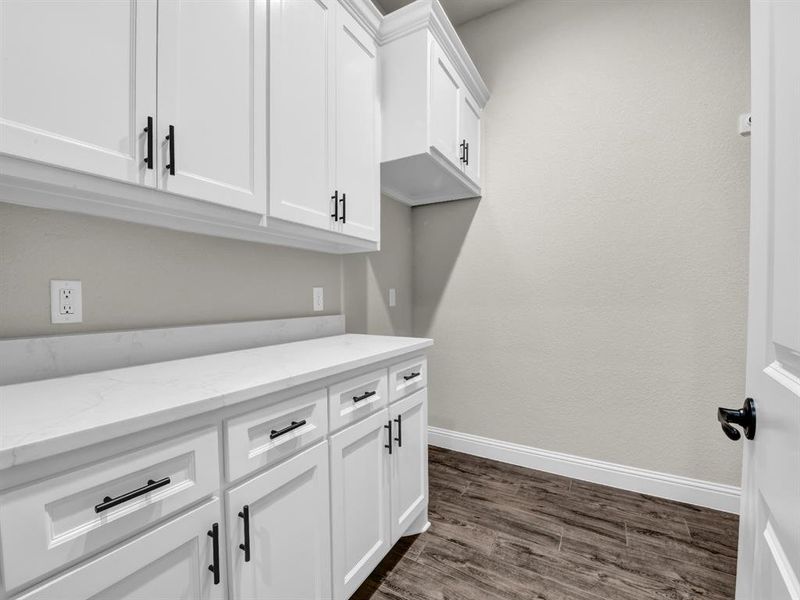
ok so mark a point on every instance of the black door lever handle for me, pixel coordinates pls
(745, 417)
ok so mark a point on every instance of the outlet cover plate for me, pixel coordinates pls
(319, 299)
(66, 301)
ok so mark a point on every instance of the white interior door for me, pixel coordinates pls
(444, 106)
(769, 537)
(471, 137)
(289, 531)
(301, 111)
(359, 501)
(77, 83)
(409, 460)
(357, 158)
(170, 561)
(212, 80)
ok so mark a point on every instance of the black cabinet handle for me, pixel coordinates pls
(364, 396)
(745, 417)
(287, 429)
(412, 376)
(171, 140)
(399, 438)
(389, 427)
(148, 160)
(335, 199)
(244, 514)
(344, 208)
(109, 502)
(466, 152)
(213, 533)
(462, 151)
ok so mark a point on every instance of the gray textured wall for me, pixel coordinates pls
(594, 300)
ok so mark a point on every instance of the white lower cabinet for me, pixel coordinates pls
(279, 531)
(409, 472)
(359, 501)
(379, 486)
(170, 562)
(307, 515)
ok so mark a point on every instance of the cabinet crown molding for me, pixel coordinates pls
(366, 13)
(429, 14)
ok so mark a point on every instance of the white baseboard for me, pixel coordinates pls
(673, 487)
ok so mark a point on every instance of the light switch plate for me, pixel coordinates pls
(392, 297)
(66, 301)
(319, 299)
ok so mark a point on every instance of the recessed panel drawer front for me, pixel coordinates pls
(354, 399)
(266, 435)
(49, 524)
(407, 377)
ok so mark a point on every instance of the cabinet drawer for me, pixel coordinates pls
(354, 399)
(407, 377)
(264, 436)
(60, 520)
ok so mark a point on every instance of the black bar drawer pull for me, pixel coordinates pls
(389, 427)
(344, 208)
(109, 502)
(399, 438)
(364, 396)
(244, 514)
(148, 160)
(466, 152)
(279, 432)
(335, 199)
(213, 533)
(412, 376)
(171, 140)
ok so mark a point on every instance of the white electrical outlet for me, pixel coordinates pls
(66, 301)
(319, 298)
(392, 297)
(745, 124)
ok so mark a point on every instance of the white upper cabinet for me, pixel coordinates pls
(250, 119)
(324, 115)
(357, 120)
(301, 111)
(77, 83)
(432, 97)
(212, 85)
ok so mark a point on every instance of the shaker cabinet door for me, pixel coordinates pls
(409, 461)
(445, 97)
(357, 151)
(471, 137)
(212, 93)
(301, 111)
(77, 83)
(279, 531)
(359, 501)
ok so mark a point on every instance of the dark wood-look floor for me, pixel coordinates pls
(505, 532)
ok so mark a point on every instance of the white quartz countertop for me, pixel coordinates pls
(44, 418)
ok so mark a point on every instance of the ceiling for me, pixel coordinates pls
(459, 11)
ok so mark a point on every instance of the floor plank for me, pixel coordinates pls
(500, 531)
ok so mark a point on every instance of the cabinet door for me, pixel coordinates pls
(212, 89)
(170, 561)
(357, 152)
(409, 460)
(471, 135)
(289, 531)
(445, 97)
(77, 83)
(301, 111)
(359, 501)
